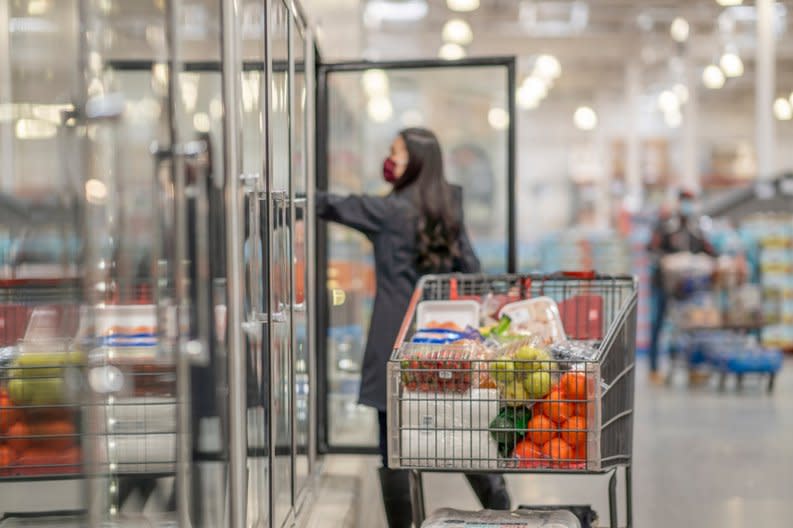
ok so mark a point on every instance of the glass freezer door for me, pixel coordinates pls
(469, 104)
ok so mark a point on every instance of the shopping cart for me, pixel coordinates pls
(452, 408)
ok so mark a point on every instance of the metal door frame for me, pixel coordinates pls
(321, 229)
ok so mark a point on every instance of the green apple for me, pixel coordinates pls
(534, 358)
(503, 371)
(538, 384)
(515, 394)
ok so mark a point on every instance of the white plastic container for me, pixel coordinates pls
(461, 313)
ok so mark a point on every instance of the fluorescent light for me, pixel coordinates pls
(95, 191)
(681, 91)
(451, 51)
(412, 118)
(38, 7)
(668, 101)
(375, 83)
(380, 109)
(585, 118)
(731, 64)
(379, 11)
(35, 129)
(782, 109)
(201, 122)
(457, 31)
(729, 3)
(547, 67)
(498, 118)
(712, 77)
(679, 29)
(526, 99)
(462, 5)
(534, 88)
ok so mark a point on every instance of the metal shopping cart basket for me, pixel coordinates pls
(454, 407)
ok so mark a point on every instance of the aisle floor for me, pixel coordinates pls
(701, 458)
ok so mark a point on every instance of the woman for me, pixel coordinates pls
(416, 229)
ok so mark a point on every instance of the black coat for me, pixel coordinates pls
(390, 223)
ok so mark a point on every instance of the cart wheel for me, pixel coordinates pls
(771, 379)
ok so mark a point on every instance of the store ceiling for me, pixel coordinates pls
(593, 56)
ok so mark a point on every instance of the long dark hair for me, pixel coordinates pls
(438, 230)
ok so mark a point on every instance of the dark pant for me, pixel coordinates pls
(657, 317)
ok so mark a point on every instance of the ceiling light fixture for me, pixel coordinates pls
(679, 29)
(379, 11)
(681, 91)
(451, 51)
(585, 118)
(498, 118)
(463, 6)
(668, 101)
(547, 67)
(457, 31)
(375, 82)
(731, 64)
(35, 129)
(38, 7)
(783, 111)
(534, 88)
(380, 109)
(729, 3)
(712, 77)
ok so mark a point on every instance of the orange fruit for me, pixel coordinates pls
(581, 409)
(555, 408)
(8, 415)
(540, 429)
(527, 450)
(558, 449)
(579, 453)
(7, 456)
(21, 431)
(573, 431)
(574, 385)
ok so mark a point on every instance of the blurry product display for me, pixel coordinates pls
(575, 249)
(772, 237)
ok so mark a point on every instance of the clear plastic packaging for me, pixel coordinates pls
(450, 518)
(537, 317)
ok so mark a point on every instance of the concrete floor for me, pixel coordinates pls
(701, 459)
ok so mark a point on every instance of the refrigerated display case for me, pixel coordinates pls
(157, 255)
(469, 104)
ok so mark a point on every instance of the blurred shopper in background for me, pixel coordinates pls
(678, 232)
(416, 229)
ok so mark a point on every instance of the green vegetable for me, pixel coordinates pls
(501, 328)
(509, 427)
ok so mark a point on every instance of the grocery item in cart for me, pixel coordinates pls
(472, 410)
(444, 448)
(436, 365)
(452, 314)
(535, 317)
(450, 518)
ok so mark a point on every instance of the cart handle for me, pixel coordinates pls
(403, 330)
